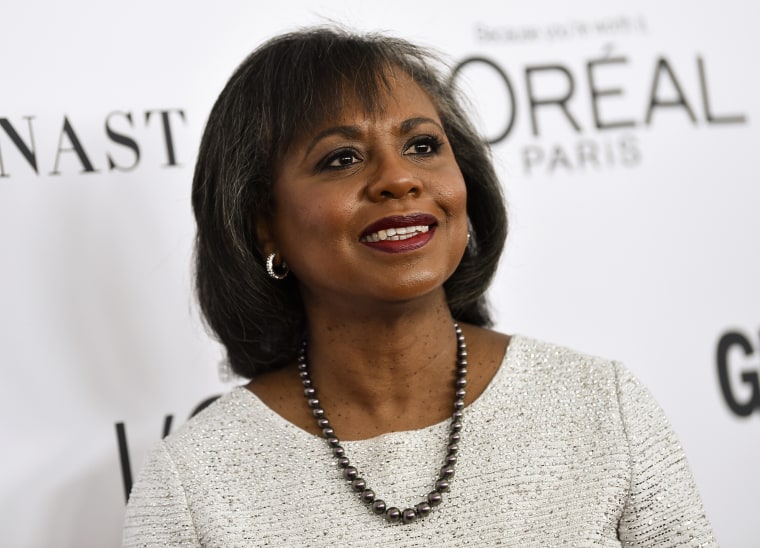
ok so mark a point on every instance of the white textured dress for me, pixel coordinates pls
(561, 449)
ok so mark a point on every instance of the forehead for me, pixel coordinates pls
(399, 98)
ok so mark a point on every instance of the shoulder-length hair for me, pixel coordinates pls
(285, 87)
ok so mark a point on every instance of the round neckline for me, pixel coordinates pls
(249, 398)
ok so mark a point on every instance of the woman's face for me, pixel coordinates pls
(343, 190)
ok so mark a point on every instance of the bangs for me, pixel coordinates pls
(314, 82)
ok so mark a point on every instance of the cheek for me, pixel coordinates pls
(309, 224)
(456, 208)
(453, 197)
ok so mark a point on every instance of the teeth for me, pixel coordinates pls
(395, 234)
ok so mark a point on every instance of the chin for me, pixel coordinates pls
(418, 288)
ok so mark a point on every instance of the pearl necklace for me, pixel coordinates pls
(350, 473)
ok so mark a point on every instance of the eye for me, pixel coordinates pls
(340, 159)
(424, 145)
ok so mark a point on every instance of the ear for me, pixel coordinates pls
(264, 236)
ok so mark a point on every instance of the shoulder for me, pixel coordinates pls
(546, 362)
(559, 382)
(215, 426)
(563, 382)
(540, 368)
(534, 355)
(206, 452)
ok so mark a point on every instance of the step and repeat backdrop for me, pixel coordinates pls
(626, 136)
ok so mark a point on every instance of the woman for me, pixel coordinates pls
(349, 222)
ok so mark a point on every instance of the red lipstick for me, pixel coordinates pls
(399, 233)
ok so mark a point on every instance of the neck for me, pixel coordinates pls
(378, 369)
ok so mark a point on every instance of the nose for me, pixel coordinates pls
(393, 178)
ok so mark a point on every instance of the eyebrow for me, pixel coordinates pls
(411, 123)
(349, 132)
(354, 132)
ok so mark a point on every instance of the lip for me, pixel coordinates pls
(401, 221)
(394, 221)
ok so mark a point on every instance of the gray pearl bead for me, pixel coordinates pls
(423, 509)
(309, 392)
(447, 472)
(358, 485)
(434, 498)
(350, 473)
(442, 485)
(340, 452)
(408, 515)
(378, 507)
(368, 495)
(343, 462)
(393, 514)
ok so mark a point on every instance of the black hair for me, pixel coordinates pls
(286, 87)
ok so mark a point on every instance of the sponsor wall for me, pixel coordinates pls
(626, 137)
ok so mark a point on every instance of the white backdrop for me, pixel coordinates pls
(630, 167)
